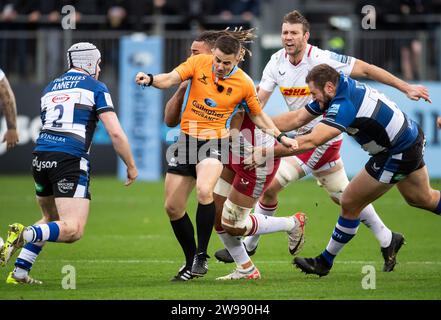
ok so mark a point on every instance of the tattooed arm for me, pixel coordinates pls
(8, 105)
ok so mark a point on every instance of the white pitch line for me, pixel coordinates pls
(146, 261)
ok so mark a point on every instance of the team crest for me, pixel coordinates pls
(203, 79)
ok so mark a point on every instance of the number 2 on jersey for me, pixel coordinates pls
(60, 108)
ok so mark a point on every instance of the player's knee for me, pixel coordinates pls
(174, 210)
(73, 232)
(204, 194)
(286, 173)
(334, 183)
(235, 219)
(347, 202)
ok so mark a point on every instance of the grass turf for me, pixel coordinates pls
(129, 250)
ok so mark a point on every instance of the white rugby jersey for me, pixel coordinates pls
(290, 78)
(2, 74)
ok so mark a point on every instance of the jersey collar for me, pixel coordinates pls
(305, 55)
(77, 71)
(233, 71)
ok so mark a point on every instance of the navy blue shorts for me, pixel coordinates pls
(61, 175)
(392, 168)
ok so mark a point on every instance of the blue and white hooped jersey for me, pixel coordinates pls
(69, 112)
(375, 121)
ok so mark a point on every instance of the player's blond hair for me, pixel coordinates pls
(244, 36)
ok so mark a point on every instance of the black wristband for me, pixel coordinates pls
(279, 137)
(151, 80)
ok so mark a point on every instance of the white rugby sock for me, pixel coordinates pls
(252, 241)
(371, 220)
(235, 247)
(267, 224)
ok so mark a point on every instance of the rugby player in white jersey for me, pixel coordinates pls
(287, 69)
(71, 105)
(9, 110)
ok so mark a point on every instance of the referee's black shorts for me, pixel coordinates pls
(188, 151)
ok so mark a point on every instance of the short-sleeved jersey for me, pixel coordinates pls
(207, 112)
(2, 74)
(375, 121)
(69, 113)
(290, 78)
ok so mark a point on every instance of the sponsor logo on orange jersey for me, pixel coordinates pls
(295, 91)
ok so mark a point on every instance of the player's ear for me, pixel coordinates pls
(306, 36)
(329, 87)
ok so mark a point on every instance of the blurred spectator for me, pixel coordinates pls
(411, 49)
(247, 9)
(20, 15)
(128, 14)
(234, 13)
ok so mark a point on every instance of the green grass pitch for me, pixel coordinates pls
(129, 250)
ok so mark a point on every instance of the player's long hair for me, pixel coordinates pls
(244, 36)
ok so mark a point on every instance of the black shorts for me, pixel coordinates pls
(392, 168)
(187, 152)
(61, 175)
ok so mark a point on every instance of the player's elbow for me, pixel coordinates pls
(170, 121)
(362, 69)
(115, 134)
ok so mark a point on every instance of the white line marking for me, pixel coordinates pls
(288, 261)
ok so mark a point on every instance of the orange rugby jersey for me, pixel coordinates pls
(206, 111)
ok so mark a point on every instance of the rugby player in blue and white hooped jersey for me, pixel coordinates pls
(71, 105)
(394, 141)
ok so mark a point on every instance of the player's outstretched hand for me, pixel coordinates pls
(438, 122)
(417, 92)
(132, 174)
(11, 138)
(142, 79)
(290, 143)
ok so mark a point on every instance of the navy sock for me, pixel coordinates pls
(344, 231)
(27, 256)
